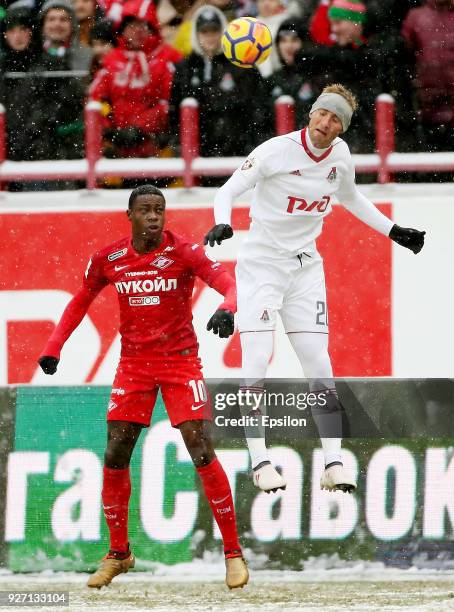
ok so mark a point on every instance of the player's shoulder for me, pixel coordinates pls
(112, 252)
(280, 142)
(341, 148)
(188, 252)
(267, 150)
(291, 138)
(180, 245)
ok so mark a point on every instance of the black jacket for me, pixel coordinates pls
(43, 113)
(231, 104)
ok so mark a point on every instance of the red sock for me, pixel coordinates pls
(116, 491)
(219, 495)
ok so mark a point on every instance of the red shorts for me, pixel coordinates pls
(138, 380)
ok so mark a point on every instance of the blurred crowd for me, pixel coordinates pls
(141, 58)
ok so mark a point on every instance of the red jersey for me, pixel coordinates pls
(154, 294)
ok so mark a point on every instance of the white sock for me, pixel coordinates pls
(256, 349)
(331, 449)
(257, 450)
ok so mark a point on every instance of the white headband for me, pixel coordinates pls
(336, 104)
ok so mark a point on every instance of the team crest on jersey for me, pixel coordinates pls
(265, 316)
(162, 262)
(296, 172)
(248, 163)
(332, 176)
(117, 254)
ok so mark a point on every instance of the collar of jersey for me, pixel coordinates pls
(316, 158)
(164, 243)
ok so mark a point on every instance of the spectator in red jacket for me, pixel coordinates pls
(429, 34)
(136, 81)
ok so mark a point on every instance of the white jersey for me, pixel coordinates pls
(295, 186)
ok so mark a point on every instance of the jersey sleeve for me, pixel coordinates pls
(354, 201)
(94, 279)
(265, 160)
(214, 274)
(77, 308)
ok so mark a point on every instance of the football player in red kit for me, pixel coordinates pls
(154, 274)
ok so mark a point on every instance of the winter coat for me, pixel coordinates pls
(137, 84)
(429, 34)
(44, 114)
(232, 106)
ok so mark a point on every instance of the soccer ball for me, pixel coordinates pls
(246, 42)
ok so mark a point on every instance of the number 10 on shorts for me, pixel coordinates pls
(199, 391)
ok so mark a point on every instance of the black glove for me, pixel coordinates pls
(407, 237)
(218, 233)
(125, 137)
(221, 322)
(48, 364)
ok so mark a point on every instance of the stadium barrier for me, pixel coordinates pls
(402, 513)
(191, 165)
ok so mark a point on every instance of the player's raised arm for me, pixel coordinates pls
(70, 319)
(350, 196)
(242, 179)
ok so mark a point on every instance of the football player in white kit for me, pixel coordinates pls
(296, 177)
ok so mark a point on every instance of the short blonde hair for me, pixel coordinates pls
(337, 88)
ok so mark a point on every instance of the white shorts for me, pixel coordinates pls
(269, 283)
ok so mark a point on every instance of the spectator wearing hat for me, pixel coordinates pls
(230, 98)
(135, 81)
(18, 51)
(59, 31)
(183, 37)
(347, 19)
(290, 80)
(18, 54)
(43, 113)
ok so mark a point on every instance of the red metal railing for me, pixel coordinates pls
(189, 137)
(2, 138)
(284, 113)
(384, 134)
(93, 140)
(190, 165)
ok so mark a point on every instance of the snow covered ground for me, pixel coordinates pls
(199, 586)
